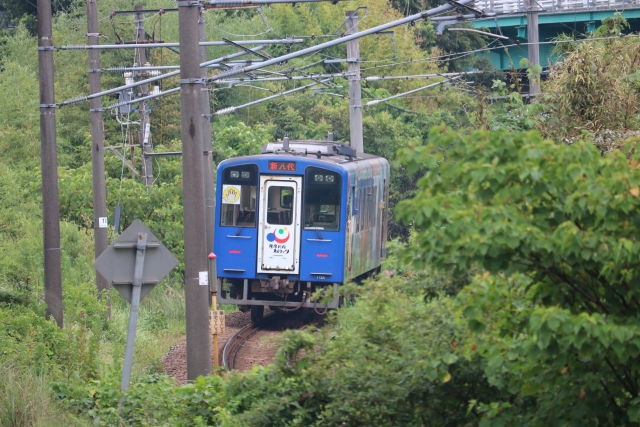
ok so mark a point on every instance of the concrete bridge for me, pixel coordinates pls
(555, 17)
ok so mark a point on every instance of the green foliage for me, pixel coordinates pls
(26, 400)
(613, 26)
(595, 87)
(457, 41)
(393, 358)
(555, 228)
(509, 112)
(387, 362)
(237, 139)
(159, 207)
(25, 11)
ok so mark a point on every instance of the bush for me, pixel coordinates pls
(555, 228)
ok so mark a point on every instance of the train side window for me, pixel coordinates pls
(238, 200)
(322, 196)
(361, 208)
(371, 206)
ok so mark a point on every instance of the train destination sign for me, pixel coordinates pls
(282, 166)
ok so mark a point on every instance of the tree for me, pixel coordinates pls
(556, 228)
(15, 10)
(596, 87)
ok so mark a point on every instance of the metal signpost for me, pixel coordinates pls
(134, 264)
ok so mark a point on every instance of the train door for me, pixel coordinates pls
(279, 224)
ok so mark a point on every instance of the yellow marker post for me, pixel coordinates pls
(216, 317)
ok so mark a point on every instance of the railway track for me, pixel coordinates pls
(255, 343)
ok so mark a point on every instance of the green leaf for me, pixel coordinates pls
(529, 388)
(476, 326)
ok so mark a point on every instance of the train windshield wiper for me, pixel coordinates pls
(317, 229)
(246, 220)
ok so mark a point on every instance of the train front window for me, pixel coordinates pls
(239, 196)
(322, 199)
(280, 205)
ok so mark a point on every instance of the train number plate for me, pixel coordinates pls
(216, 322)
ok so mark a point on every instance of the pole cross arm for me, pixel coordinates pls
(464, 6)
(154, 79)
(247, 50)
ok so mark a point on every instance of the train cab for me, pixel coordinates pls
(299, 217)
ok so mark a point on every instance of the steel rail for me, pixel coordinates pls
(237, 340)
(231, 345)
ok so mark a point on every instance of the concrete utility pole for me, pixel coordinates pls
(533, 39)
(97, 146)
(49, 158)
(195, 247)
(144, 137)
(355, 95)
(207, 146)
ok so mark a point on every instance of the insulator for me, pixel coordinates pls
(229, 73)
(224, 111)
(117, 69)
(75, 100)
(114, 106)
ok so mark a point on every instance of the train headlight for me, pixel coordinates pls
(318, 178)
(330, 178)
(245, 175)
(234, 174)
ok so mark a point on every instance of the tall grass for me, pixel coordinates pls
(161, 325)
(26, 400)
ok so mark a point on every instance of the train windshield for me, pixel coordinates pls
(239, 189)
(322, 199)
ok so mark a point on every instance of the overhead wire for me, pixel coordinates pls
(448, 57)
(502, 46)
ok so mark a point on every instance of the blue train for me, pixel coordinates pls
(301, 216)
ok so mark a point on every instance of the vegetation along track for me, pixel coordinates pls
(255, 343)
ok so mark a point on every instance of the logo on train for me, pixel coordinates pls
(278, 235)
(231, 194)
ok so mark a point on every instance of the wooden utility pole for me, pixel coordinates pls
(195, 246)
(534, 47)
(49, 159)
(355, 94)
(144, 136)
(100, 222)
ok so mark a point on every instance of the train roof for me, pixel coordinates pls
(331, 151)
